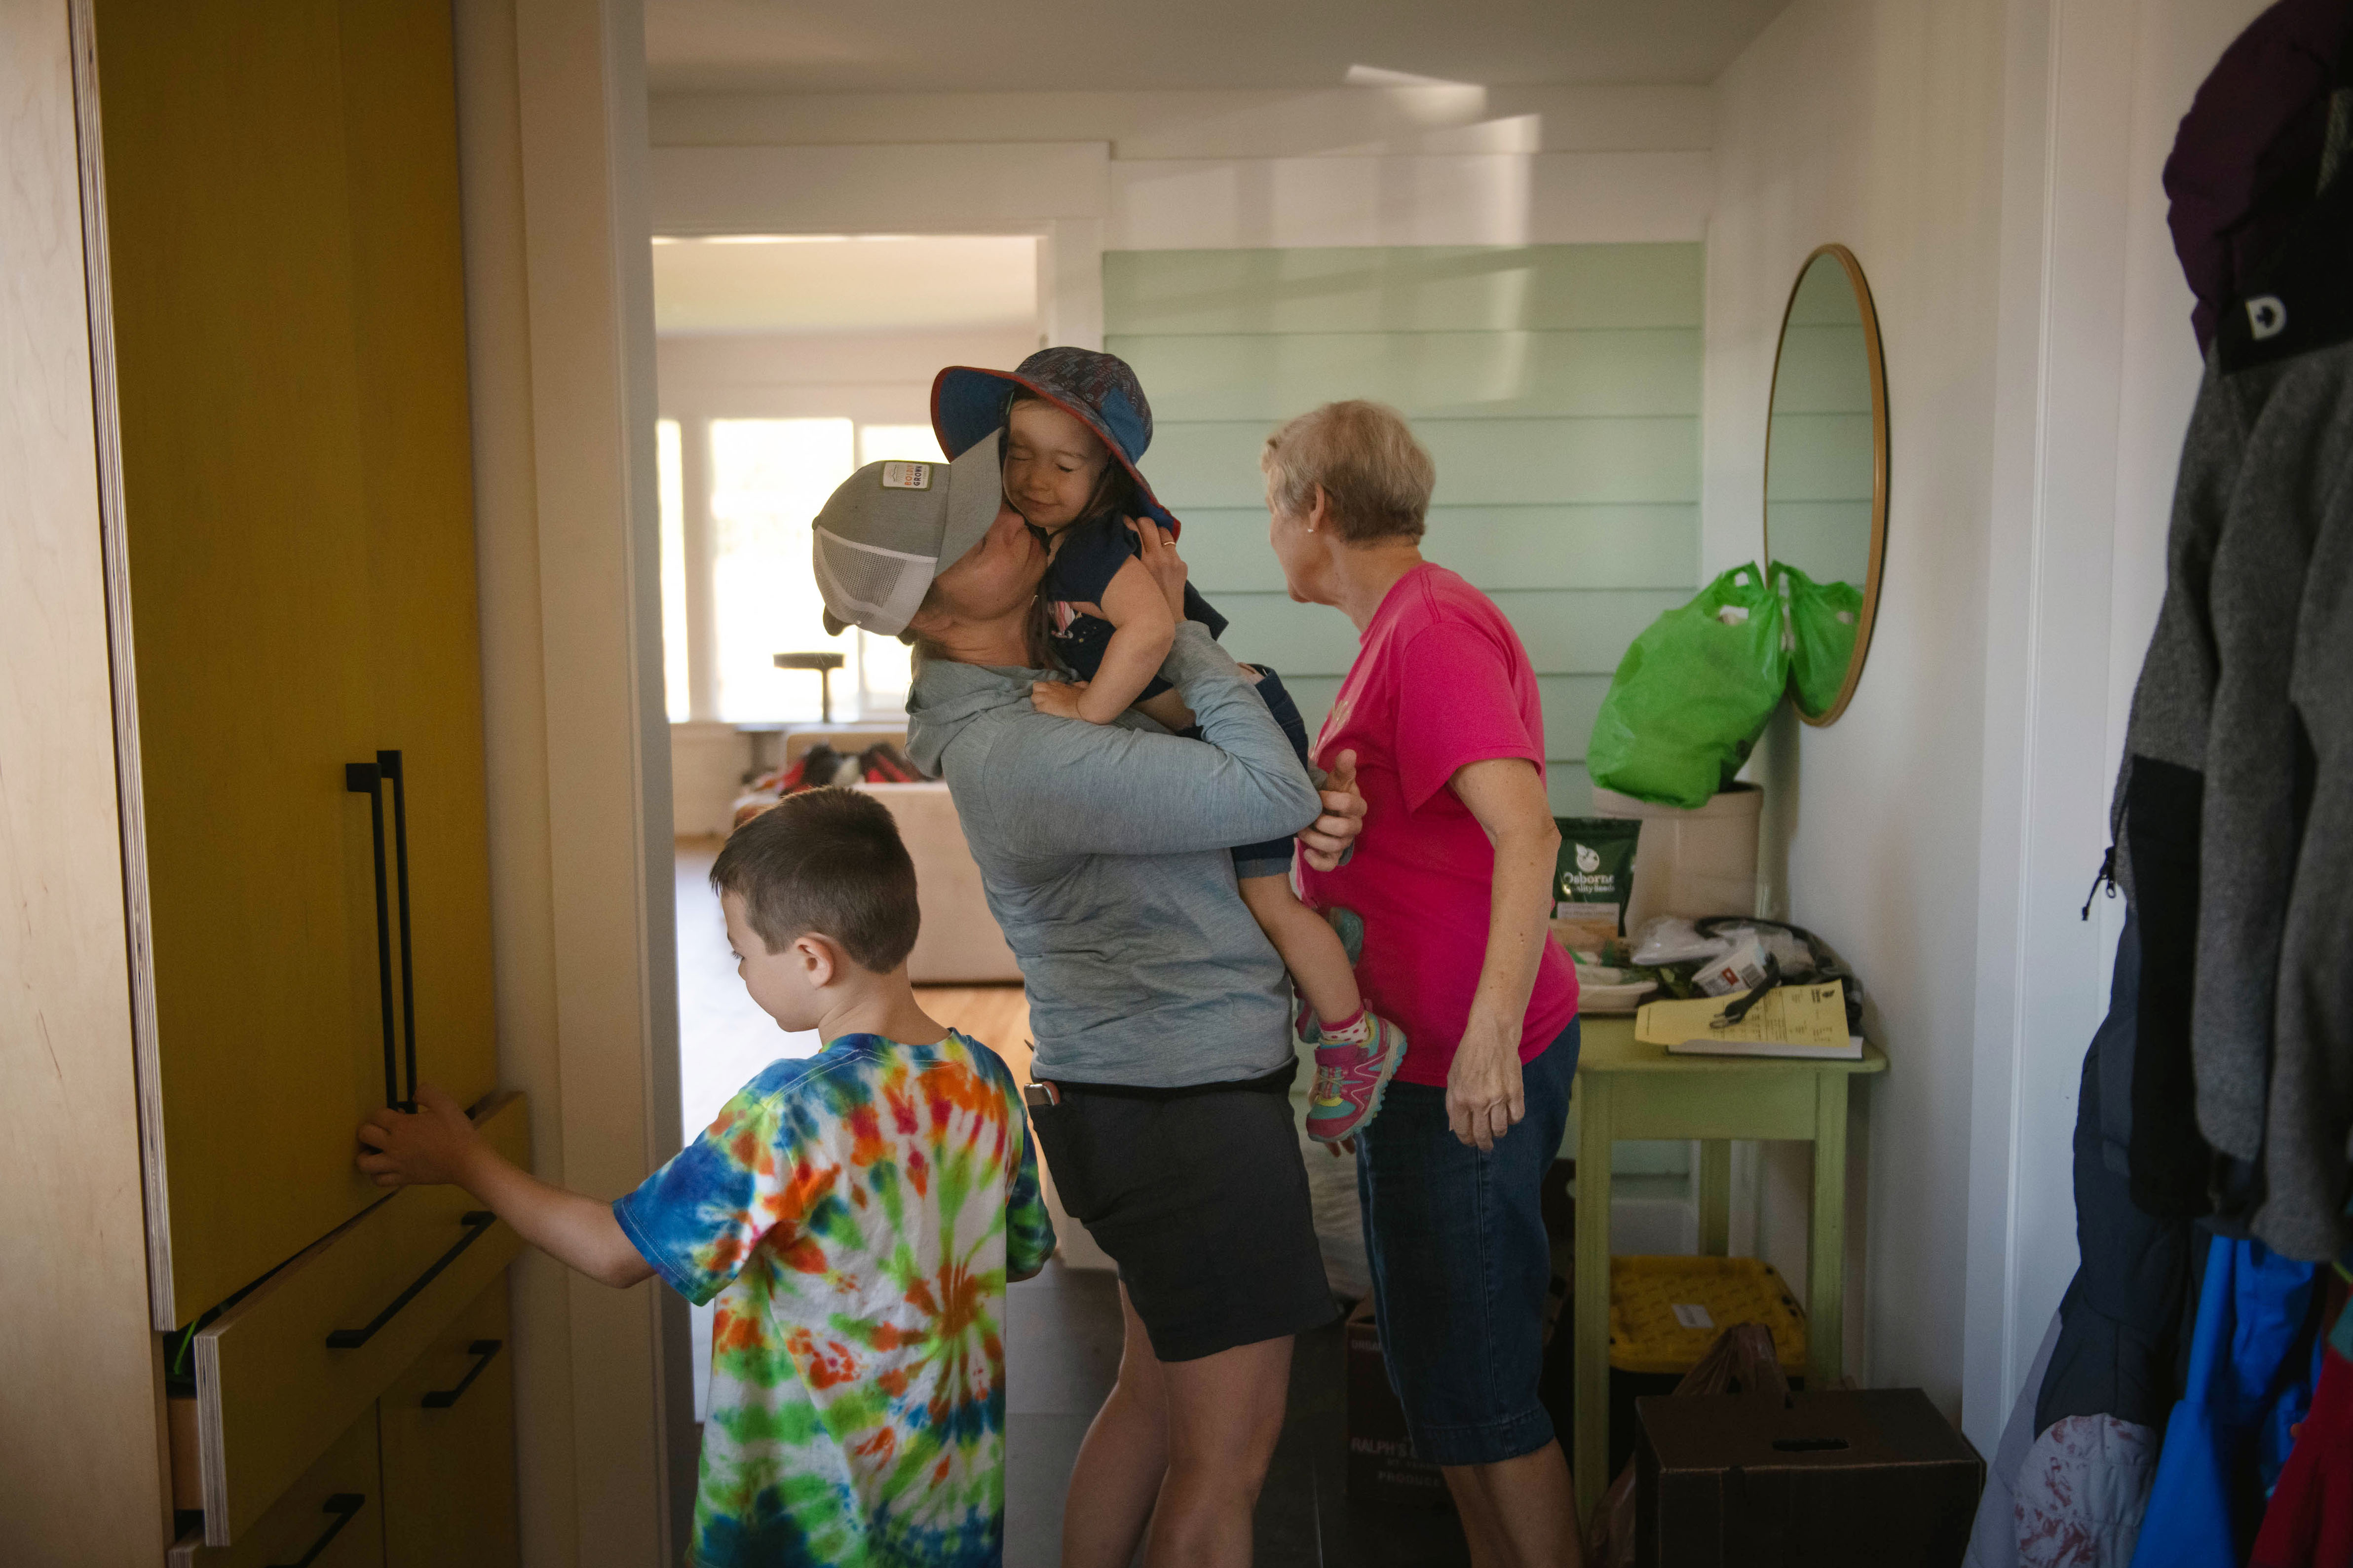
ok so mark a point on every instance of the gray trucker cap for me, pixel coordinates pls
(890, 528)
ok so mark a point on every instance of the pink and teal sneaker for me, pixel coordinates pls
(1350, 1079)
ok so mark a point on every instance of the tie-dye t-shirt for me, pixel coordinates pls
(856, 1213)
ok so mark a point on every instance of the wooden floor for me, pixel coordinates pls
(996, 1016)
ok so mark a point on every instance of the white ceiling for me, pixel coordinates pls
(1014, 45)
(865, 283)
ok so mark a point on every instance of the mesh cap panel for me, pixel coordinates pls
(870, 587)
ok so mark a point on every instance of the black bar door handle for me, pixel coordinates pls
(482, 1351)
(388, 764)
(475, 1221)
(344, 1506)
(367, 779)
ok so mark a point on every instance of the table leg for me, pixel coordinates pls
(1826, 1247)
(1590, 1450)
(1715, 1196)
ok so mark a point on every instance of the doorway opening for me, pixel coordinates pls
(784, 364)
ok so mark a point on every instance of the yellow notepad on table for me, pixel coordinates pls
(1790, 1021)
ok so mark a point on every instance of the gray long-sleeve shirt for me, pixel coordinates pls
(1105, 853)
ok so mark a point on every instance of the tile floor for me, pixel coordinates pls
(1061, 1352)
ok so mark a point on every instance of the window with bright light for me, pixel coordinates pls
(768, 479)
(671, 478)
(758, 491)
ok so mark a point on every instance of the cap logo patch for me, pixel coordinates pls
(907, 475)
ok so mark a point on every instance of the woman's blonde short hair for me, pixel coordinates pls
(1376, 478)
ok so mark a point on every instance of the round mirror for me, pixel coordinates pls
(1825, 479)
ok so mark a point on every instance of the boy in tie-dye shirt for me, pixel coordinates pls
(856, 1214)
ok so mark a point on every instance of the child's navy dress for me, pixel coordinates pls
(1086, 558)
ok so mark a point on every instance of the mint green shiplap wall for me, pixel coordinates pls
(1556, 385)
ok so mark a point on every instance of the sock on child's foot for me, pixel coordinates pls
(1356, 1031)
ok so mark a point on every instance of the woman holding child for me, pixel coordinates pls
(1159, 1000)
(1156, 956)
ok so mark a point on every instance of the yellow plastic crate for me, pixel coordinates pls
(1666, 1311)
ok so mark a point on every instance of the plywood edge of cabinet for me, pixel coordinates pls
(272, 1394)
(114, 553)
(347, 1479)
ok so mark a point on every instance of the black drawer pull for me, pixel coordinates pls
(388, 764)
(367, 779)
(476, 1222)
(481, 1350)
(344, 1506)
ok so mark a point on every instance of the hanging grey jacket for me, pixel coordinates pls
(2309, 1116)
(2245, 675)
(1105, 853)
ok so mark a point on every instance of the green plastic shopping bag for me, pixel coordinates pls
(1822, 618)
(1692, 695)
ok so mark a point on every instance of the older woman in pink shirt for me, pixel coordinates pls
(1452, 880)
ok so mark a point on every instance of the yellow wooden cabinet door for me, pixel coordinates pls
(448, 1447)
(227, 208)
(282, 218)
(409, 321)
(331, 1518)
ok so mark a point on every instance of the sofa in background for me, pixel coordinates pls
(960, 943)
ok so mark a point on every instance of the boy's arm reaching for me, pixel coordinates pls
(438, 1144)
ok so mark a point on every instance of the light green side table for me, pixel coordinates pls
(1627, 1089)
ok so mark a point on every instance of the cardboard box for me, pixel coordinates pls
(1871, 1478)
(1381, 1466)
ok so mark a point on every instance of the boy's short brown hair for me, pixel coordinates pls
(830, 861)
(1375, 476)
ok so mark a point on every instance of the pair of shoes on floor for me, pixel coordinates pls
(1350, 1077)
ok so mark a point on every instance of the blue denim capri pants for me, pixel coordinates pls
(1462, 1265)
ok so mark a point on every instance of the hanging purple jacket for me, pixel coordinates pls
(2247, 158)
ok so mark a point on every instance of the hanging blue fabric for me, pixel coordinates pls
(2254, 1358)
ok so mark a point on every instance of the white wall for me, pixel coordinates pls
(1878, 126)
(888, 372)
(1994, 167)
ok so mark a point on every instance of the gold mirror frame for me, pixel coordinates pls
(1871, 343)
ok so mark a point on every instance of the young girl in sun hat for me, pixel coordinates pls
(1074, 424)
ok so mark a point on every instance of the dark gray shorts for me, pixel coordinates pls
(1200, 1198)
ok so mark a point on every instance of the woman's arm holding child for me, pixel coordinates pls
(437, 1144)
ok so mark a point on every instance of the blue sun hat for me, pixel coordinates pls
(1097, 389)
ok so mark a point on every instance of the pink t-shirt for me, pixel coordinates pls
(1441, 681)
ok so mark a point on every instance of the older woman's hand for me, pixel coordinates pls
(1160, 559)
(1326, 840)
(1484, 1097)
